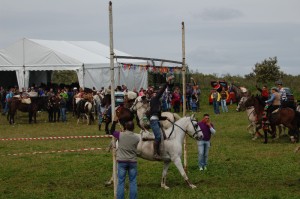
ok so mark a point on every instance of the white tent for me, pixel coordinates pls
(89, 59)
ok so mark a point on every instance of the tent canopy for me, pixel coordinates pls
(89, 59)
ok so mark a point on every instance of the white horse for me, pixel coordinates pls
(253, 127)
(141, 106)
(172, 147)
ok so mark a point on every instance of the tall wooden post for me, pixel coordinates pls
(184, 93)
(112, 80)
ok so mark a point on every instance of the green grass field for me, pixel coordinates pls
(238, 167)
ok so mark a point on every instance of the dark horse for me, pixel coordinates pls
(239, 92)
(37, 103)
(53, 108)
(124, 114)
(285, 115)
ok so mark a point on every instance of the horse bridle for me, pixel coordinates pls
(185, 131)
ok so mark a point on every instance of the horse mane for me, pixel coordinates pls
(260, 100)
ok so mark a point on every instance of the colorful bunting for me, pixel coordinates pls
(154, 69)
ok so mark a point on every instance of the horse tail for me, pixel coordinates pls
(297, 116)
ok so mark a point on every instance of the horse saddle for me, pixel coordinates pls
(26, 100)
(77, 99)
(147, 135)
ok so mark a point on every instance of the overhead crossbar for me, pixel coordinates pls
(147, 58)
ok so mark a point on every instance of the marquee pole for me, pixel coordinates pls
(112, 79)
(184, 93)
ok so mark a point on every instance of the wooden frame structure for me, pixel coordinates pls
(112, 56)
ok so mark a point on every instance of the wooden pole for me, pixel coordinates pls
(184, 93)
(112, 79)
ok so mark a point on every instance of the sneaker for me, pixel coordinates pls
(201, 169)
(205, 168)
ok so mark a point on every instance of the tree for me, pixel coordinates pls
(267, 71)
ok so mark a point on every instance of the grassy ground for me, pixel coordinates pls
(238, 167)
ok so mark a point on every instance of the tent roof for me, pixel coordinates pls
(42, 53)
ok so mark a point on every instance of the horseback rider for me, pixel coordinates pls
(273, 103)
(283, 97)
(155, 113)
(264, 92)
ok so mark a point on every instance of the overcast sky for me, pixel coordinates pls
(222, 36)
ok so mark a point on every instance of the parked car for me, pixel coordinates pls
(219, 85)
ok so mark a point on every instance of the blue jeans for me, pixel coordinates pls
(123, 167)
(63, 114)
(224, 106)
(203, 148)
(5, 110)
(216, 107)
(155, 126)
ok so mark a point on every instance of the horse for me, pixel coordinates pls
(123, 113)
(239, 92)
(129, 98)
(172, 147)
(36, 104)
(141, 106)
(285, 115)
(254, 125)
(53, 108)
(85, 107)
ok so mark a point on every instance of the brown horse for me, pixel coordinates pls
(123, 113)
(37, 103)
(286, 116)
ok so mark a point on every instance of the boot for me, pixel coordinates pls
(156, 155)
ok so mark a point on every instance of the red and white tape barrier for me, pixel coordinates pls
(59, 151)
(56, 138)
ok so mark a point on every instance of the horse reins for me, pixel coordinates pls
(185, 131)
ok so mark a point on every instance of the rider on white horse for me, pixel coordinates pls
(155, 113)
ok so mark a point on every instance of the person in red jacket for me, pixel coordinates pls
(264, 92)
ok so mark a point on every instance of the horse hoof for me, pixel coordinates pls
(108, 183)
(165, 187)
(193, 186)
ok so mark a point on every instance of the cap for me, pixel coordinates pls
(279, 82)
(275, 89)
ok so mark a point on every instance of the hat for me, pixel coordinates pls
(279, 82)
(274, 88)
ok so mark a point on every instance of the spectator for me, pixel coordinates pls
(203, 145)
(8, 99)
(176, 100)
(216, 101)
(126, 158)
(166, 101)
(2, 97)
(189, 91)
(62, 108)
(194, 100)
(224, 96)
